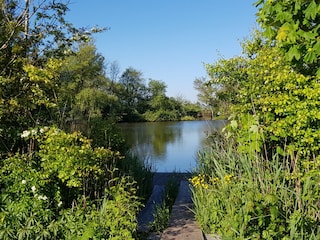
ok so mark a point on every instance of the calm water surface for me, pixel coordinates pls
(168, 146)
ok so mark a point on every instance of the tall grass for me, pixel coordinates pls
(141, 172)
(239, 196)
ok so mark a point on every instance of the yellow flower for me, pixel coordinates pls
(199, 181)
(214, 181)
(227, 178)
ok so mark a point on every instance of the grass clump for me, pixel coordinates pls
(162, 211)
(242, 196)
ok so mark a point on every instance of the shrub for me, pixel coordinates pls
(62, 188)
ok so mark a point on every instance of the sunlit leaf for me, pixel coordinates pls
(293, 53)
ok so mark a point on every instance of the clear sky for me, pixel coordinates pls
(168, 40)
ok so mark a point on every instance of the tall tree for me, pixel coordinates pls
(33, 37)
(134, 91)
(85, 92)
(157, 90)
(294, 25)
(207, 94)
(114, 71)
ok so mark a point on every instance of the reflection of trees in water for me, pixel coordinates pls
(163, 135)
(151, 139)
(212, 132)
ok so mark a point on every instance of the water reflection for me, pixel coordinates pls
(168, 146)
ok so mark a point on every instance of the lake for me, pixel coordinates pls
(168, 146)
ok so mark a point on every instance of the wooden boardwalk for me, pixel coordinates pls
(182, 224)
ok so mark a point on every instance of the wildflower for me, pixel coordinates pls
(199, 181)
(44, 129)
(227, 178)
(23, 181)
(40, 197)
(60, 204)
(214, 181)
(33, 189)
(205, 186)
(25, 134)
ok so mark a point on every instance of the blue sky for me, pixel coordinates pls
(168, 40)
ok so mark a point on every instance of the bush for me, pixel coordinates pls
(63, 188)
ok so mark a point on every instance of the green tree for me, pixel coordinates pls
(34, 37)
(207, 95)
(294, 25)
(84, 91)
(157, 98)
(133, 96)
(225, 80)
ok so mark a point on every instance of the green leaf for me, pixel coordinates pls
(258, 3)
(294, 53)
(253, 128)
(318, 73)
(297, 7)
(234, 124)
(280, 151)
(316, 47)
(310, 57)
(311, 11)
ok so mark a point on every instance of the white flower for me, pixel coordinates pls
(33, 189)
(25, 134)
(34, 131)
(23, 181)
(59, 204)
(44, 129)
(40, 197)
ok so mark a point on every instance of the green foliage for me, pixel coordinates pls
(188, 118)
(225, 79)
(28, 207)
(162, 211)
(240, 197)
(249, 133)
(30, 57)
(26, 99)
(134, 93)
(161, 217)
(50, 191)
(161, 115)
(295, 27)
(275, 157)
(84, 93)
(283, 103)
(71, 158)
(117, 216)
(141, 173)
(286, 102)
(207, 95)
